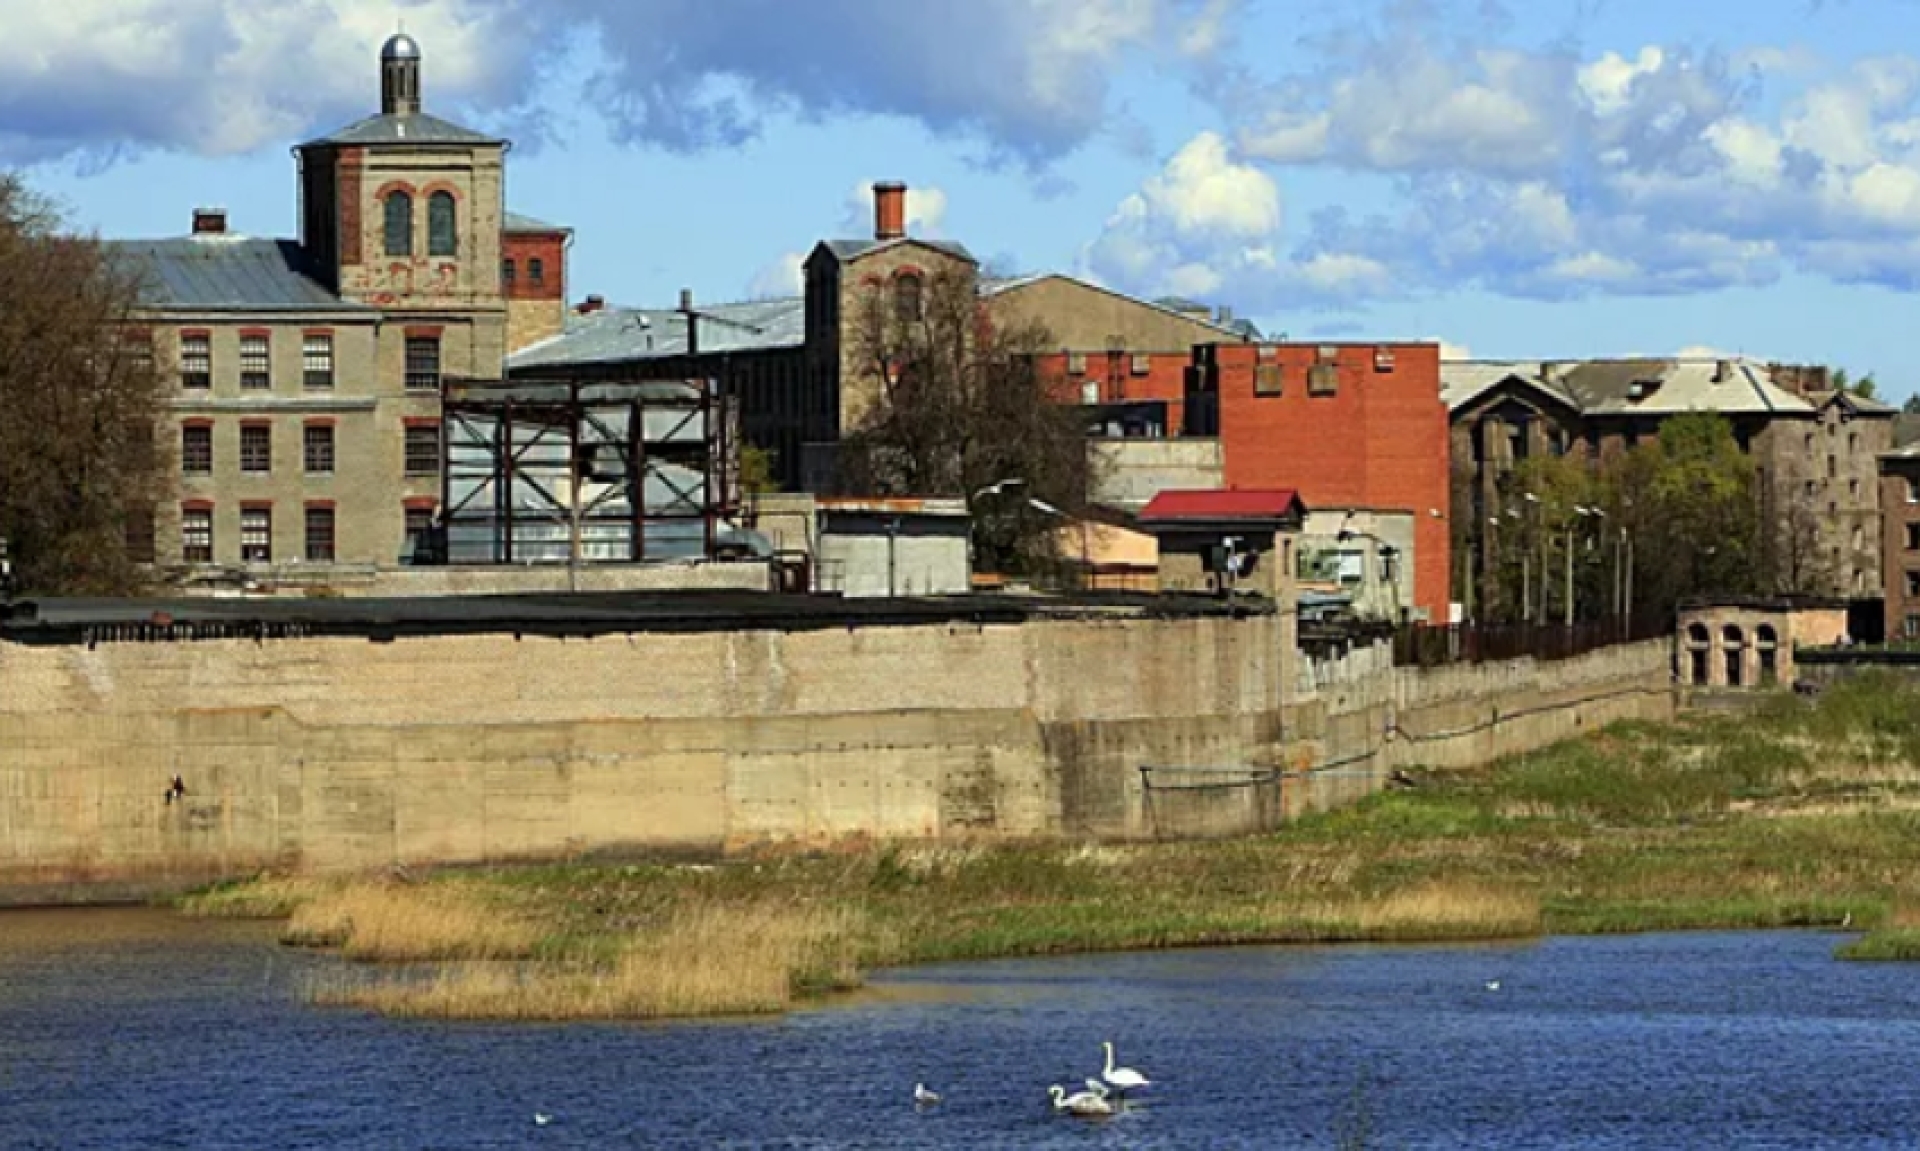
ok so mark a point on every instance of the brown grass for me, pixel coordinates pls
(267, 897)
(373, 920)
(705, 960)
(1436, 910)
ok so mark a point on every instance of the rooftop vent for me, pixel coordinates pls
(209, 221)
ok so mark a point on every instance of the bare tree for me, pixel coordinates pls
(81, 467)
(958, 406)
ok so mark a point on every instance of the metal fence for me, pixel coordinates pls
(1425, 645)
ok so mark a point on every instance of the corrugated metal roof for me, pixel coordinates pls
(228, 272)
(411, 128)
(516, 222)
(619, 335)
(1228, 504)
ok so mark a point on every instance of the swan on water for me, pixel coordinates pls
(541, 1119)
(924, 1097)
(1122, 1079)
(1082, 1103)
(1493, 985)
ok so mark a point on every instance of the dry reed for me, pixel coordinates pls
(705, 960)
(373, 920)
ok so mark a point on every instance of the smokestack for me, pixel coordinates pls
(209, 221)
(889, 210)
(692, 321)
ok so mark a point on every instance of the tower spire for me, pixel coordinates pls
(400, 75)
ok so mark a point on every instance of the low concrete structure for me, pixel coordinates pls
(1750, 642)
(894, 547)
(1128, 472)
(1363, 553)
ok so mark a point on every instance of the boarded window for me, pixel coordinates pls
(318, 449)
(196, 450)
(399, 224)
(443, 233)
(256, 362)
(1323, 380)
(423, 450)
(319, 548)
(316, 360)
(1266, 379)
(256, 535)
(1142, 363)
(256, 448)
(196, 361)
(423, 363)
(1076, 363)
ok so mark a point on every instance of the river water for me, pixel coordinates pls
(135, 1029)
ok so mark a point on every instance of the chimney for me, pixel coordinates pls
(209, 221)
(1722, 371)
(590, 305)
(1549, 371)
(692, 321)
(889, 210)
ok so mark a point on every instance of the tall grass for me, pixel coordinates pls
(1795, 816)
(710, 959)
(379, 921)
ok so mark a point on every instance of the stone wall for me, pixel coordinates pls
(332, 752)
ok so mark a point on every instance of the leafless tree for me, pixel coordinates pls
(957, 406)
(81, 463)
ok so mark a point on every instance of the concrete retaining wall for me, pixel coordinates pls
(335, 753)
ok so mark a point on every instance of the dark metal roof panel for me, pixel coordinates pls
(410, 128)
(227, 272)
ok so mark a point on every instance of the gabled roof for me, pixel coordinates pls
(847, 251)
(1232, 505)
(1861, 405)
(623, 335)
(1202, 316)
(1625, 387)
(515, 222)
(227, 273)
(407, 128)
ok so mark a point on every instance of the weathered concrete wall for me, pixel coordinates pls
(331, 752)
(334, 752)
(1358, 719)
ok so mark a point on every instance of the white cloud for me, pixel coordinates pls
(1203, 225)
(785, 276)
(1027, 78)
(926, 210)
(219, 76)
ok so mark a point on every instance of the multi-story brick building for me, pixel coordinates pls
(796, 366)
(307, 373)
(1815, 449)
(1357, 426)
(1899, 483)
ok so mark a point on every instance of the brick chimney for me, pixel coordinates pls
(209, 221)
(590, 305)
(889, 210)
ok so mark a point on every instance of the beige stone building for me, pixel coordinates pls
(306, 420)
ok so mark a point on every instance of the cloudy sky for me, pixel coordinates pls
(1553, 178)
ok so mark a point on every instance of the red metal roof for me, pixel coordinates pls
(1233, 504)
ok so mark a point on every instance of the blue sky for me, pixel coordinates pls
(1558, 178)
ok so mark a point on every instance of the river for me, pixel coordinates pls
(137, 1029)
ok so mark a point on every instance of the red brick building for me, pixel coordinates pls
(1111, 378)
(1345, 425)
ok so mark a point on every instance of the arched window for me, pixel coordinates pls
(906, 297)
(399, 224)
(443, 235)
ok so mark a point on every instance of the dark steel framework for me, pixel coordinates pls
(571, 470)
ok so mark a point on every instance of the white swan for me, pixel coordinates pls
(541, 1119)
(1084, 1104)
(1122, 1079)
(924, 1097)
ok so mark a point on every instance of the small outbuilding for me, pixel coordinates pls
(1227, 540)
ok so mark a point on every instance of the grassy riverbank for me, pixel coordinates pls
(1798, 816)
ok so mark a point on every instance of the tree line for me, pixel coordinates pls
(81, 464)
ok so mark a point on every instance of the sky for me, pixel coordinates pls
(1550, 179)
